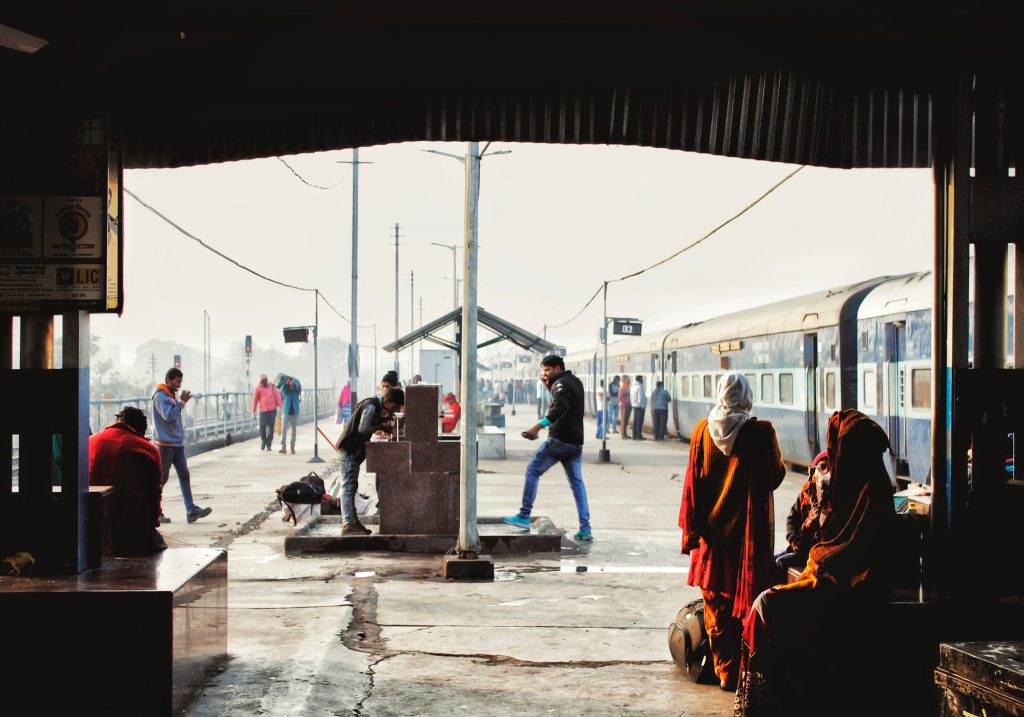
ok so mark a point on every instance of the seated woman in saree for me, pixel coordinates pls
(727, 516)
(802, 641)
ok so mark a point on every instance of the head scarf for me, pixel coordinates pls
(855, 535)
(735, 399)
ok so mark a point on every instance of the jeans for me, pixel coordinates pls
(600, 424)
(349, 483)
(624, 426)
(613, 416)
(289, 420)
(660, 416)
(176, 455)
(638, 422)
(267, 419)
(554, 451)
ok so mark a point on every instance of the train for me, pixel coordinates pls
(865, 345)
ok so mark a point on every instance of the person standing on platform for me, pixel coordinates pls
(389, 380)
(369, 416)
(638, 397)
(267, 400)
(169, 436)
(451, 415)
(660, 400)
(291, 402)
(542, 392)
(344, 405)
(564, 445)
(626, 408)
(601, 410)
(613, 404)
(120, 456)
(726, 516)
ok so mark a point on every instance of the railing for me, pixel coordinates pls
(210, 416)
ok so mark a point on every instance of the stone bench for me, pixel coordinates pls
(134, 636)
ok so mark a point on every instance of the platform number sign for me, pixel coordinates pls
(627, 328)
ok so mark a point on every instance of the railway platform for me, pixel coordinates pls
(578, 631)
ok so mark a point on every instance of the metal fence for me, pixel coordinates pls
(210, 416)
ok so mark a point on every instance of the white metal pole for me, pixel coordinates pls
(353, 366)
(469, 538)
(316, 379)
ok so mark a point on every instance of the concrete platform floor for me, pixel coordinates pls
(578, 632)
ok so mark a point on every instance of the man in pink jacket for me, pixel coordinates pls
(267, 399)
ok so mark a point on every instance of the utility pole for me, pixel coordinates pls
(604, 455)
(152, 367)
(353, 345)
(397, 335)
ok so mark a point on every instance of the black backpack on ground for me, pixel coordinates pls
(309, 490)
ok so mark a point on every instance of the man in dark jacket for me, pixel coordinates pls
(370, 416)
(564, 445)
(120, 456)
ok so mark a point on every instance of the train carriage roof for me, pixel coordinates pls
(801, 313)
(912, 292)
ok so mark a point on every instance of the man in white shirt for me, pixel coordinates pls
(638, 397)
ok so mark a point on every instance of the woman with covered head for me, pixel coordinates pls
(798, 628)
(726, 516)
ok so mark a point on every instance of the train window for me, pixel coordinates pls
(684, 386)
(654, 363)
(921, 388)
(830, 390)
(707, 387)
(785, 388)
(718, 380)
(675, 361)
(767, 388)
(697, 392)
(870, 389)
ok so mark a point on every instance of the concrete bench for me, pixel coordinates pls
(134, 636)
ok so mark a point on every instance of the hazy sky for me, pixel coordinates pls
(555, 221)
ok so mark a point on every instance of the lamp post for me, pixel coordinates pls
(468, 547)
(455, 288)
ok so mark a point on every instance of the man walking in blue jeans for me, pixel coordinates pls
(169, 437)
(564, 445)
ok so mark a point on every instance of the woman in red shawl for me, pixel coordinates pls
(726, 517)
(804, 624)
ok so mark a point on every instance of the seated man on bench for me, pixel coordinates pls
(120, 456)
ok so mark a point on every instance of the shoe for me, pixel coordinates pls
(355, 528)
(164, 520)
(293, 450)
(517, 521)
(196, 513)
(583, 536)
(282, 451)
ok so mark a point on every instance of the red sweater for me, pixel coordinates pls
(120, 457)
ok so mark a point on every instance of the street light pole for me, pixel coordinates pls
(316, 379)
(353, 346)
(469, 537)
(604, 455)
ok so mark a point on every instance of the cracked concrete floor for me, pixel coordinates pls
(581, 632)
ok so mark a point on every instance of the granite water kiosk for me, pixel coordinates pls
(418, 494)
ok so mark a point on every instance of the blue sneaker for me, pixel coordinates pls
(517, 522)
(583, 536)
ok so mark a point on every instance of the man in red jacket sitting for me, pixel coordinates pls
(120, 456)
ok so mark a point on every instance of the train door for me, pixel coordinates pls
(895, 389)
(812, 400)
(676, 391)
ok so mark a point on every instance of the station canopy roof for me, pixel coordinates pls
(829, 84)
(504, 330)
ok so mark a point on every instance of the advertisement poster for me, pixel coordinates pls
(60, 218)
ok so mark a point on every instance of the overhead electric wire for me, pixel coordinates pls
(685, 249)
(307, 182)
(237, 263)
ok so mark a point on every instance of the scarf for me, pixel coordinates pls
(735, 399)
